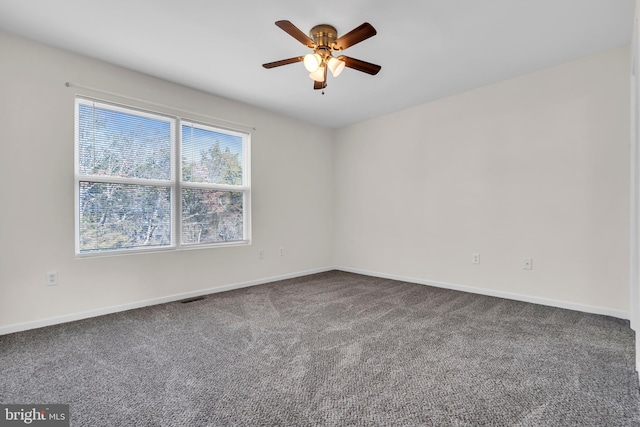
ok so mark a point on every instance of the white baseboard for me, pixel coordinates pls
(18, 327)
(489, 292)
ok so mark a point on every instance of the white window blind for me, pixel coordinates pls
(213, 185)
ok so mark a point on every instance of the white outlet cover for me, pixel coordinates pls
(52, 278)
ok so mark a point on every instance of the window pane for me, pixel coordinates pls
(211, 216)
(129, 145)
(210, 156)
(116, 216)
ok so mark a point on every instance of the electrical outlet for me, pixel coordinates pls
(475, 258)
(281, 251)
(52, 278)
(527, 263)
(261, 254)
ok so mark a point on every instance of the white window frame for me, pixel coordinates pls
(175, 183)
(244, 188)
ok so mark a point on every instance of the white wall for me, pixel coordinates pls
(634, 183)
(292, 195)
(536, 166)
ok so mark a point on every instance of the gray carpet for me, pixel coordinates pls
(331, 349)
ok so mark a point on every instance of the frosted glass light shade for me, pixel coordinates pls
(336, 66)
(312, 61)
(318, 75)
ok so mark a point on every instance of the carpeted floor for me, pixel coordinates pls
(331, 349)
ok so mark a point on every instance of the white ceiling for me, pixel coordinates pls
(428, 49)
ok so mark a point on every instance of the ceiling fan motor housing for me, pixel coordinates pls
(323, 36)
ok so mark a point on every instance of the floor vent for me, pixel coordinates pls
(185, 301)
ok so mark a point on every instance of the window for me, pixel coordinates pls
(150, 181)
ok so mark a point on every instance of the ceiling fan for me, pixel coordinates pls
(324, 40)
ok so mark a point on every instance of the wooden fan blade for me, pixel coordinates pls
(356, 64)
(295, 32)
(283, 62)
(323, 83)
(319, 85)
(354, 36)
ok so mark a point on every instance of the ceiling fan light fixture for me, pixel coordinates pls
(318, 75)
(312, 62)
(336, 66)
(324, 41)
